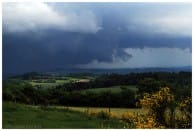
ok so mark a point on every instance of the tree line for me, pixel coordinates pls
(70, 94)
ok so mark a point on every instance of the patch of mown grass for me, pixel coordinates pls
(57, 82)
(113, 89)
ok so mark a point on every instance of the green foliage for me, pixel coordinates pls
(149, 85)
(104, 91)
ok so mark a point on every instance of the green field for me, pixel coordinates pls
(57, 82)
(113, 89)
(25, 116)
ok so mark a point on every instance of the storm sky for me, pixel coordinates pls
(46, 36)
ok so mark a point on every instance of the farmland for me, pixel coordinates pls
(45, 83)
(103, 101)
(112, 89)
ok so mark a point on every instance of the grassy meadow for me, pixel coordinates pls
(26, 116)
(113, 89)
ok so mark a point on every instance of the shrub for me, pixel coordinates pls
(158, 103)
(132, 120)
(185, 118)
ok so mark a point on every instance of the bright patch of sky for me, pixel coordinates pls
(147, 57)
(173, 18)
(19, 17)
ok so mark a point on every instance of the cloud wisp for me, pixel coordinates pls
(178, 25)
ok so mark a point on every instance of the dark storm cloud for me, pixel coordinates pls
(66, 46)
(55, 50)
(59, 49)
